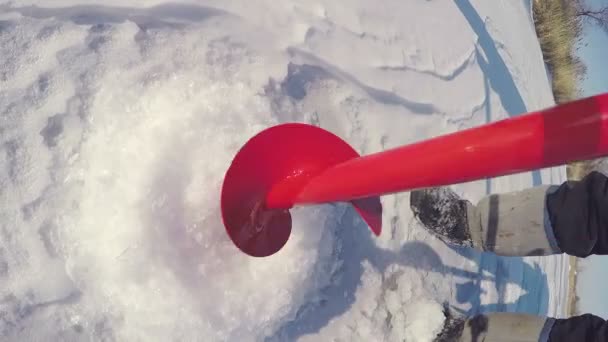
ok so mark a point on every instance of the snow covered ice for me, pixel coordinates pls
(118, 121)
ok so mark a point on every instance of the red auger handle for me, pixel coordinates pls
(556, 136)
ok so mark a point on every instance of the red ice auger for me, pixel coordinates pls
(297, 164)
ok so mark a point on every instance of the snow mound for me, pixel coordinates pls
(117, 142)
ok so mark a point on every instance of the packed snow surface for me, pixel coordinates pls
(119, 119)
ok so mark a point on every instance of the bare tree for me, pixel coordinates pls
(594, 15)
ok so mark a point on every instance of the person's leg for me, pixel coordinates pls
(588, 328)
(514, 224)
(503, 327)
(571, 218)
(578, 212)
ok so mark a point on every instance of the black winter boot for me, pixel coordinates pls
(443, 213)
